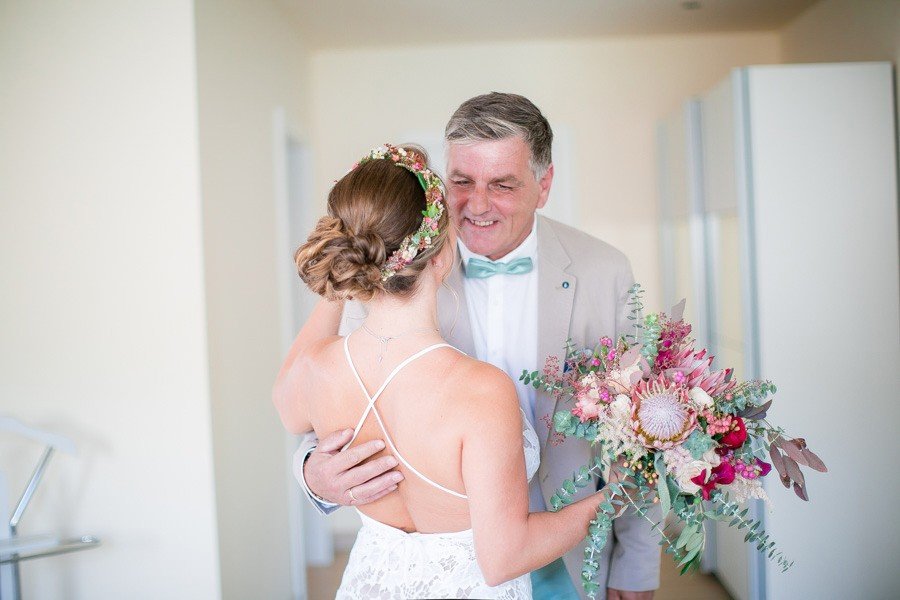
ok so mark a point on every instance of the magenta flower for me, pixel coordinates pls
(735, 437)
(720, 475)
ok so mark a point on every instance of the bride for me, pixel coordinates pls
(459, 525)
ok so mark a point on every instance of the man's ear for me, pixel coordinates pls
(545, 183)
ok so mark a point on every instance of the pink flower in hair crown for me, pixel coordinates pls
(424, 236)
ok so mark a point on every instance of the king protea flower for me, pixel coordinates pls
(661, 413)
(696, 368)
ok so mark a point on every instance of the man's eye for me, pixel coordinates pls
(505, 188)
(460, 182)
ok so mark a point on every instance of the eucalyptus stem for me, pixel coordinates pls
(641, 510)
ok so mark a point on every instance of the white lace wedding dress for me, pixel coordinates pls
(388, 563)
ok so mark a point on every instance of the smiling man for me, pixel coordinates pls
(525, 284)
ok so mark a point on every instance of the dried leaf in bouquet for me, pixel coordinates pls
(778, 463)
(793, 470)
(792, 449)
(813, 461)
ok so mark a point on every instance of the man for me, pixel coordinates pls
(525, 285)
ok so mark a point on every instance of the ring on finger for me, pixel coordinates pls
(352, 497)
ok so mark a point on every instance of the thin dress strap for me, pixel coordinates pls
(371, 408)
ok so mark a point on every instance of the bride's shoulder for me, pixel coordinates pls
(321, 354)
(484, 386)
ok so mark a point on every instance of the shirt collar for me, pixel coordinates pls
(528, 248)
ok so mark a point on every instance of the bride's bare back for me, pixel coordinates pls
(422, 409)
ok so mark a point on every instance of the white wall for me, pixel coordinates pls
(102, 303)
(608, 92)
(250, 61)
(843, 31)
(827, 285)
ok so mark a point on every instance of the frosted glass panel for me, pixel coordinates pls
(683, 274)
(727, 331)
(727, 338)
(724, 285)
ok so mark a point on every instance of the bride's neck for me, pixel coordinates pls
(390, 315)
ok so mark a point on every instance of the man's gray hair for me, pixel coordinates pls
(497, 116)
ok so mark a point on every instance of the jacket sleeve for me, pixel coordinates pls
(308, 443)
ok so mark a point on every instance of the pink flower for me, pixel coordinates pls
(671, 339)
(716, 425)
(696, 367)
(586, 409)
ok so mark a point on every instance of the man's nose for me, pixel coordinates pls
(478, 201)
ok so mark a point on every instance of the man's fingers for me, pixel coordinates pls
(376, 488)
(333, 442)
(344, 461)
(377, 496)
(361, 474)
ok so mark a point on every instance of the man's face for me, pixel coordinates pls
(492, 194)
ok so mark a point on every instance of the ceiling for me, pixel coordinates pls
(349, 23)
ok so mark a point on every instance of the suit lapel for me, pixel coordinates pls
(453, 312)
(556, 296)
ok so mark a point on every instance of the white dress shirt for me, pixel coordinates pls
(503, 312)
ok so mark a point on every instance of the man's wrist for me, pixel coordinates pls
(312, 493)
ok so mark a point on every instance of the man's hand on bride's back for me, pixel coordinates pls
(342, 477)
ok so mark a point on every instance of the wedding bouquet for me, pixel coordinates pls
(677, 431)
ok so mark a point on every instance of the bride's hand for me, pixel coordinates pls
(616, 476)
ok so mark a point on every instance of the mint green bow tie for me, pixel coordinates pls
(481, 269)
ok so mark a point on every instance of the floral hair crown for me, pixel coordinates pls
(423, 238)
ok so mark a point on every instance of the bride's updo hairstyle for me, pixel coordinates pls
(371, 210)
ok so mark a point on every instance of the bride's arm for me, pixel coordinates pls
(287, 392)
(508, 540)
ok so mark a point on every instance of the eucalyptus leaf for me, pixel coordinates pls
(684, 536)
(555, 503)
(696, 540)
(562, 420)
(689, 556)
(662, 488)
(698, 443)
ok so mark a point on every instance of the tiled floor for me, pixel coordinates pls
(324, 581)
